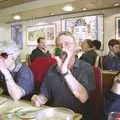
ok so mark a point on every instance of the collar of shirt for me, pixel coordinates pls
(17, 67)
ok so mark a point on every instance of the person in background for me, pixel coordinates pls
(79, 50)
(112, 60)
(69, 82)
(99, 58)
(112, 97)
(97, 46)
(89, 54)
(40, 50)
(118, 54)
(16, 79)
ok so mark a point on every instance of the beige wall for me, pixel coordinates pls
(5, 32)
(108, 22)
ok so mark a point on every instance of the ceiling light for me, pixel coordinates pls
(16, 17)
(84, 9)
(51, 13)
(68, 8)
(116, 4)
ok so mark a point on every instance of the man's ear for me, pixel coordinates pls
(110, 47)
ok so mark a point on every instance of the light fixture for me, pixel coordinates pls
(68, 8)
(84, 9)
(17, 17)
(116, 4)
(51, 13)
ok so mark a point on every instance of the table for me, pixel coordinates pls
(7, 106)
(109, 72)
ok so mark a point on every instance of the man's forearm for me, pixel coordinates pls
(14, 90)
(76, 88)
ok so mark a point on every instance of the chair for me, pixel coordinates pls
(39, 68)
(96, 97)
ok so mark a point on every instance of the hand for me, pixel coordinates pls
(2, 64)
(4, 70)
(38, 100)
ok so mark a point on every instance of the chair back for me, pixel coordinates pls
(96, 97)
(39, 68)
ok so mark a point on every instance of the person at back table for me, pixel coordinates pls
(16, 79)
(89, 54)
(69, 82)
(40, 50)
(112, 60)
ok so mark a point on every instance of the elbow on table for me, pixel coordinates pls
(82, 96)
(84, 99)
(16, 97)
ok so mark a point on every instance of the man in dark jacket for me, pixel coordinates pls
(40, 50)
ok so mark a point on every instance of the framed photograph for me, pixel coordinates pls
(82, 27)
(17, 34)
(86, 27)
(47, 31)
(117, 28)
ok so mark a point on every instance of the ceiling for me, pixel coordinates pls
(10, 3)
(31, 9)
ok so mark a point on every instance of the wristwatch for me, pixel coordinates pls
(64, 74)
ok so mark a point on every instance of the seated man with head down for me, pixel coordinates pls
(16, 79)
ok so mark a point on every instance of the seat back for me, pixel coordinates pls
(98, 80)
(39, 68)
(96, 97)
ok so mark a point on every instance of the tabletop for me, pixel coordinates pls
(11, 110)
(109, 72)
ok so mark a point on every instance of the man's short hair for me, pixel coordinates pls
(113, 42)
(97, 44)
(40, 38)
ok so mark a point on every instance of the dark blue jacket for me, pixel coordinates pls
(111, 62)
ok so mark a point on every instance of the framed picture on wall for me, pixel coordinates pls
(85, 27)
(17, 34)
(117, 28)
(47, 31)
